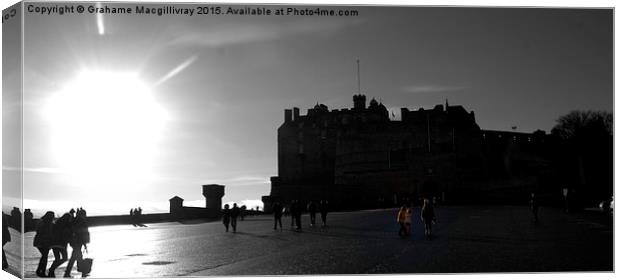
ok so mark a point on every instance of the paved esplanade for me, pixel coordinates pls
(467, 239)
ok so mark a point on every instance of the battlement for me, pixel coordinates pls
(375, 111)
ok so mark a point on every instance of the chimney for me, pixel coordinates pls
(295, 113)
(288, 115)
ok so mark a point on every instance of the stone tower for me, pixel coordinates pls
(359, 102)
(176, 207)
(213, 194)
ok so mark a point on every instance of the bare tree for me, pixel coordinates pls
(585, 153)
(579, 124)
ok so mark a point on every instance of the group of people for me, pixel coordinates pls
(135, 214)
(230, 215)
(70, 229)
(296, 209)
(427, 214)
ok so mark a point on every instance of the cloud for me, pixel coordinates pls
(244, 32)
(432, 88)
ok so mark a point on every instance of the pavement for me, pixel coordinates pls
(466, 239)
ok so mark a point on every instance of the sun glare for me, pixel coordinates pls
(106, 127)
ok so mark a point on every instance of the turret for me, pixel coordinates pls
(213, 194)
(359, 102)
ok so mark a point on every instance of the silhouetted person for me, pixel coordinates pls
(28, 221)
(242, 212)
(16, 219)
(234, 213)
(132, 216)
(61, 235)
(6, 238)
(298, 211)
(400, 219)
(43, 241)
(138, 214)
(277, 215)
(428, 217)
(79, 237)
(534, 207)
(312, 210)
(291, 209)
(323, 208)
(226, 216)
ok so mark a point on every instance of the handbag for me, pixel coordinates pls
(85, 265)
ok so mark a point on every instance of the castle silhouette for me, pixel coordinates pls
(360, 158)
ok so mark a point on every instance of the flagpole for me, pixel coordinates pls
(359, 87)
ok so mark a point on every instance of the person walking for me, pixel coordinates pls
(323, 208)
(312, 210)
(43, 241)
(428, 217)
(534, 207)
(61, 235)
(400, 219)
(234, 214)
(138, 215)
(226, 216)
(79, 237)
(242, 210)
(277, 215)
(408, 214)
(298, 215)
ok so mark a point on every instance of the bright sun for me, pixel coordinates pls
(106, 128)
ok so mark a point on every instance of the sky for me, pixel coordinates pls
(213, 90)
